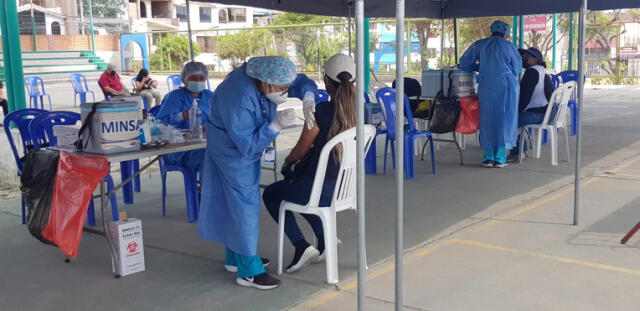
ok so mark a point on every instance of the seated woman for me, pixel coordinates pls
(535, 91)
(147, 88)
(175, 107)
(331, 119)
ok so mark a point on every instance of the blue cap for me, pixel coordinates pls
(275, 70)
(500, 27)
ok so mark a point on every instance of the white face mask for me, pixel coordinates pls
(277, 97)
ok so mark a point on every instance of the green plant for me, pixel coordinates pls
(172, 52)
(239, 46)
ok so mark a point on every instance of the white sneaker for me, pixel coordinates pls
(310, 253)
(320, 257)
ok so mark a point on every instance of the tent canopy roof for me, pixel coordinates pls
(432, 8)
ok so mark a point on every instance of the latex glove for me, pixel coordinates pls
(309, 109)
(284, 118)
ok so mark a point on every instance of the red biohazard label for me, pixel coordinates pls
(132, 247)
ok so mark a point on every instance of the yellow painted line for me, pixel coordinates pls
(435, 248)
(551, 257)
(554, 197)
(321, 300)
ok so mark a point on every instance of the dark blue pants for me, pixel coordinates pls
(526, 118)
(298, 192)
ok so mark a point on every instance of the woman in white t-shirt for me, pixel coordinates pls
(535, 91)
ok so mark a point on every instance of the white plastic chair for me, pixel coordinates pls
(344, 196)
(559, 99)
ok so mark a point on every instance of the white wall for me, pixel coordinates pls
(48, 19)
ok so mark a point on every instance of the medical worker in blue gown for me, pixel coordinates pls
(243, 121)
(174, 110)
(499, 65)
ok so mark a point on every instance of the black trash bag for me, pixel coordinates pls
(444, 115)
(38, 178)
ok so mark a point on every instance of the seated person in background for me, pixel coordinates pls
(413, 90)
(111, 84)
(147, 88)
(535, 91)
(3, 101)
(331, 119)
(175, 107)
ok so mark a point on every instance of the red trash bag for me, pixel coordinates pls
(469, 115)
(76, 180)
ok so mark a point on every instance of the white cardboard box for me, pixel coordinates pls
(127, 236)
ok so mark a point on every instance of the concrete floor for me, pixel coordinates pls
(476, 239)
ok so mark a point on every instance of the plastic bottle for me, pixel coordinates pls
(195, 119)
(145, 128)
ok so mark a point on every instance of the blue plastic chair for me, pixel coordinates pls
(41, 131)
(190, 183)
(322, 96)
(21, 119)
(36, 92)
(564, 77)
(173, 82)
(80, 88)
(387, 96)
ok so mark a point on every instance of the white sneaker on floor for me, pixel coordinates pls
(310, 253)
(500, 165)
(320, 257)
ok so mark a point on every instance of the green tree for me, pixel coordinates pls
(313, 44)
(105, 8)
(171, 52)
(239, 46)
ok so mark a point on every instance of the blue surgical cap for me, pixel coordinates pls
(192, 69)
(275, 70)
(500, 27)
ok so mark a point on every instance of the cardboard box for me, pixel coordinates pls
(127, 236)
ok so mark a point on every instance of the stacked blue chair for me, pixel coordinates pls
(36, 91)
(566, 76)
(387, 96)
(173, 82)
(21, 118)
(190, 183)
(41, 131)
(80, 88)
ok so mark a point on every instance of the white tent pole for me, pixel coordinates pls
(189, 30)
(581, 78)
(399, 150)
(360, 150)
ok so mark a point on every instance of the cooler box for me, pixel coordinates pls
(113, 128)
(432, 80)
(127, 236)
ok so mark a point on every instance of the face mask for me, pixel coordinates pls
(277, 97)
(195, 86)
(113, 73)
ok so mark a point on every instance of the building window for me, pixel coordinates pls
(143, 10)
(207, 44)
(205, 15)
(181, 13)
(237, 15)
(222, 16)
(55, 28)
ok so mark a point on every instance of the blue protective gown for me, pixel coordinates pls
(499, 65)
(174, 103)
(237, 133)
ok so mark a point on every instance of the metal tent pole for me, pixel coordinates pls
(455, 39)
(554, 52)
(349, 3)
(514, 31)
(571, 39)
(400, 150)
(521, 32)
(360, 197)
(93, 40)
(189, 30)
(581, 36)
(12, 55)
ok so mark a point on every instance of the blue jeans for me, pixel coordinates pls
(526, 118)
(248, 266)
(297, 191)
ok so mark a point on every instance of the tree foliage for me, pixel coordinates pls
(105, 8)
(172, 51)
(239, 46)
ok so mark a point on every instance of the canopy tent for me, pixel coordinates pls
(432, 8)
(429, 9)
